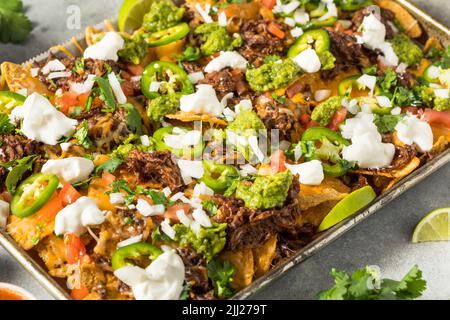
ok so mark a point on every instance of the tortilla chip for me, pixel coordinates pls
(52, 251)
(315, 215)
(432, 42)
(27, 232)
(389, 173)
(404, 18)
(330, 189)
(263, 256)
(403, 172)
(190, 117)
(18, 78)
(244, 267)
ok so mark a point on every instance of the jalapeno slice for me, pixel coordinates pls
(219, 177)
(167, 36)
(9, 100)
(160, 145)
(316, 10)
(316, 23)
(319, 40)
(33, 194)
(163, 71)
(335, 141)
(353, 5)
(122, 256)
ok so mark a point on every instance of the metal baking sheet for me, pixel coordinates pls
(432, 28)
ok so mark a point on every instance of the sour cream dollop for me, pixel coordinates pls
(226, 59)
(72, 170)
(162, 280)
(204, 101)
(411, 130)
(41, 121)
(106, 48)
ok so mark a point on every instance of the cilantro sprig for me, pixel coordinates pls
(366, 284)
(14, 25)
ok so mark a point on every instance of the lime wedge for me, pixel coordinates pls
(132, 13)
(435, 226)
(348, 206)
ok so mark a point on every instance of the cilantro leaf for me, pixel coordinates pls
(14, 25)
(210, 206)
(388, 80)
(6, 127)
(221, 274)
(134, 120)
(386, 123)
(106, 94)
(110, 165)
(366, 284)
(82, 136)
(15, 175)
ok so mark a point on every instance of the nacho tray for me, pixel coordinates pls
(56, 289)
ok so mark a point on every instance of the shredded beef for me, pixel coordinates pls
(276, 116)
(196, 273)
(156, 167)
(15, 147)
(348, 54)
(249, 228)
(106, 130)
(259, 42)
(386, 16)
(192, 67)
(226, 81)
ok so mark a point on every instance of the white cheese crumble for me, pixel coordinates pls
(195, 77)
(116, 198)
(308, 60)
(202, 218)
(190, 169)
(204, 13)
(52, 66)
(148, 210)
(117, 88)
(4, 213)
(130, 241)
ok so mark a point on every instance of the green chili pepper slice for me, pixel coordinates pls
(353, 5)
(219, 177)
(316, 10)
(163, 71)
(122, 256)
(316, 23)
(9, 100)
(33, 194)
(319, 40)
(167, 36)
(160, 145)
(427, 76)
(331, 141)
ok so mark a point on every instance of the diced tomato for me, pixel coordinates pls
(107, 178)
(269, 4)
(275, 29)
(79, 294)
(305, 119)
(75, 248)
(68, 194)
(337, 119)
(49, 211)
(278, 162)
(71, 99)
(171, 212)
(135, 69)
(312, 123)
(438, 117)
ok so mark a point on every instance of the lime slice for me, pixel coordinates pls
(348, 206)
(132, 13)
(435, 226)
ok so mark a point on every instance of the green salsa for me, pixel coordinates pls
(406, 50)
(163, 14)
(162, 105)
(265, 192)
(272, 75)
(215, 38)
(135, 49)
(325, 111)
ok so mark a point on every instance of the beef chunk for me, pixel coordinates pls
(226, 81)
(259, 42)
(156, 167)
(196, 272)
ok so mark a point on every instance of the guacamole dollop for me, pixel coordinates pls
(208, 242)
(325, 110)
(165, 104)
(327, 60)
(135, 49)
(163, 14)
(406, 50)
(215, 38)
(265, 192)
(272, 75)
(441, 104)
